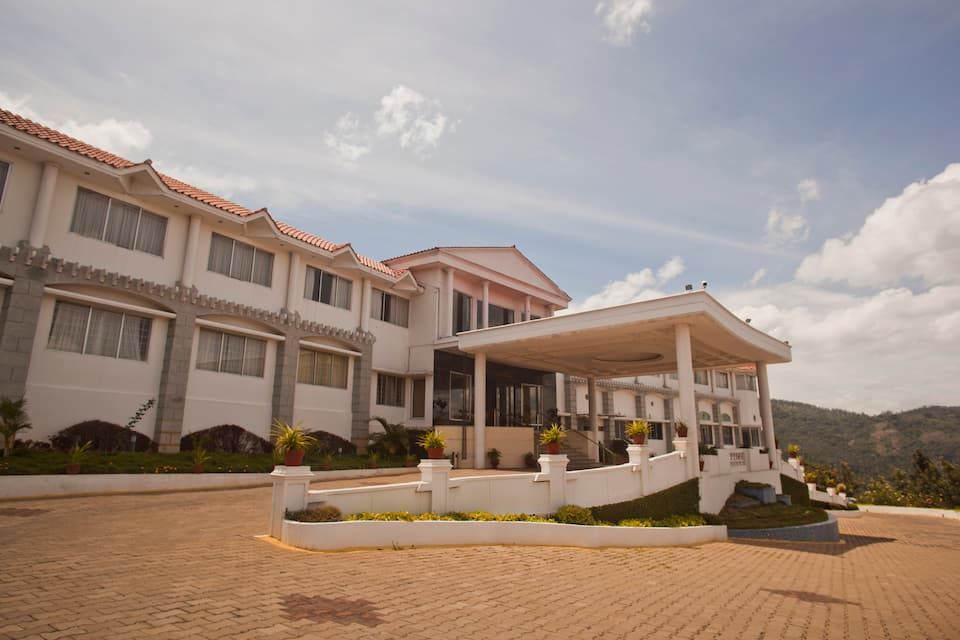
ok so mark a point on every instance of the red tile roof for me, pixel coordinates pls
(53, 136)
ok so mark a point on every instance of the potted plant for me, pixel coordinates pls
(793, 450)
(810, 477)
(410, 461)
(326, 461)
(200, 457)
(550, 439)
(433, 442)
(831, 487)
(681, 429)
(493, 455)
(529, 460)
(373, 460)
(842, 490)
(77, 455)
(638, 430)
(291, 441)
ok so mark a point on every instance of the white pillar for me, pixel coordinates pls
(366, 294)
(435, 476)
(41, 206)
(551, 308)
(290, 486)
(688, 402)
(638, 456)
(486, 305)
(553, 469)
(594, 447)
(766, 413)
(526, 307)
(473, 313)
(294, 285)
(446, 304)
(188, 272)
(479, 410)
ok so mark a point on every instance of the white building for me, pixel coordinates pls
(119, 284)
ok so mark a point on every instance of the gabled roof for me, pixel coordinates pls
(42, 132)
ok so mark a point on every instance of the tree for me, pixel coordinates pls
(393, 439)
(13, 419)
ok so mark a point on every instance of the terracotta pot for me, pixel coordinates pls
(198, 468)
(494, 463)
(293, 458)
(792, 455)
(682, 432)
(435, 453)
(640, 438)
(552, 448)
(73, 468)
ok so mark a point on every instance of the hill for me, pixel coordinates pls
(872, 445)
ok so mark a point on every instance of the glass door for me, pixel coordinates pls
(532, 410)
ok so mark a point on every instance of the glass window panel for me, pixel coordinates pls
(135, 337)
(89, 214)
(305, 373)
(338, 371)
(4, 170)
(403, 312)
(69, 327)
(344, 288)
(419, 398)
(722, 380)
(376, 304)
(263, 268)
(221, 250)
(254, 357)
(242, 266)
(103, 335)
(232, 359)
(326, 287)
(208, 350)
(311, 286)
(322, 375)
(122, 224)
(460, 386)
(152, 233)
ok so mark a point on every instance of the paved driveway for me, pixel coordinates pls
(189, 565)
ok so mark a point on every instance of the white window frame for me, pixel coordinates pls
(106, 223)
(332, 354)
(243, 356)
(376, 311)
(402, 384)
(86, 331)
(338, 282)
(6, 181)
(253, 266)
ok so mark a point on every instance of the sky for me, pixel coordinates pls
(802, 157)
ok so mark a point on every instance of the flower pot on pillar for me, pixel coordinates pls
(552, 448)
(637, 431)
(293, 458)
(435, 453)
(550, 439)
(434, 442)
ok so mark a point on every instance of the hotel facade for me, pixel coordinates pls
(119, 284)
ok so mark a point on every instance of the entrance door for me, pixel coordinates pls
(532, 410)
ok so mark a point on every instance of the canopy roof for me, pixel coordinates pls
(629, 340)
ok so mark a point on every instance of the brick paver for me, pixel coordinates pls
(189, 566)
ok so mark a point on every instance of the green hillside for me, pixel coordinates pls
(870, 444)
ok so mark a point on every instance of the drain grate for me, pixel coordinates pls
(339, 610)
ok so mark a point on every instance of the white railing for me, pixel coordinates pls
(738, 459)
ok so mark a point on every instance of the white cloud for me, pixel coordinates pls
(670, 269)
(913, 235)
(809, 189)
(224, 184)
(785, 228)
(416, 121)
(757, 276)
(117, 136)
(347, 141)
(622, 18)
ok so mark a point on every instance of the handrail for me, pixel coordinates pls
(609, 454)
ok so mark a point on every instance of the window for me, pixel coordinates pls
(640, 407)
(746, 382)
(656, 431)
(322, 368)
(751, 437)
(328, 288)
(461, 311)
(230, 353)
(461, 386)
(700, 377)
(82, 329)
(499, 316)
(706, 435)
(389, 390)
(727, 434)
(4, 172)
(419, 398)
(668, 409)
(240, 260)
(721, 379)
(389, 308)
(117, 222)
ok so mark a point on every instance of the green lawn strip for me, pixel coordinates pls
(771, 516)
(329, 514)
(54, 462)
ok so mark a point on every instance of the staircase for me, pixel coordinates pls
(578, 459)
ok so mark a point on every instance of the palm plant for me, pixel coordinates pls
(393, 439)
(13, 419)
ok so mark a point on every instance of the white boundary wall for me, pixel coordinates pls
(910, 511)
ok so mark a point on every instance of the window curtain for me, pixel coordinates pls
(208, 350)
(90, 214)
(135, 337)
(311, 285)
(69, 327)
(232, 361)
(305, 372)
(122, 224)
(255, 354)
(221, 251)
(242, 267)
(152, 233)
(103, 336)
(338, 371)
(263, 268)
(344, 287)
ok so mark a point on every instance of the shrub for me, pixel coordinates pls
(798, 491)
(226, 438)
(689, 520)
(333, 443)
(103, 436)
(530, 460)
(683, 499)
(327, 513)
(572, 514)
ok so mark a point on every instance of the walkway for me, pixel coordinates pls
(189, 566)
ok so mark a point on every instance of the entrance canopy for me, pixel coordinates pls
(629, 340)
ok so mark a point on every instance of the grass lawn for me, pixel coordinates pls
(769, 516)
(24, 462)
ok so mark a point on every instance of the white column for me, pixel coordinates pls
(553, 469)
(766, 413)
(188, 273)
(594, 447)
(290, 486)
(473, 313)
(526, 307)
(294, 286)
(366, 293)
(479, 410)
(486, 305)
(435, 474)
(446, 304)
(688, 402)
(41, 207)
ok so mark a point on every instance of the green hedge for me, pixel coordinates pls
(798, 491)
(683, 499)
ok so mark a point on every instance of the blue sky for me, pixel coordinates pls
(601, 138)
